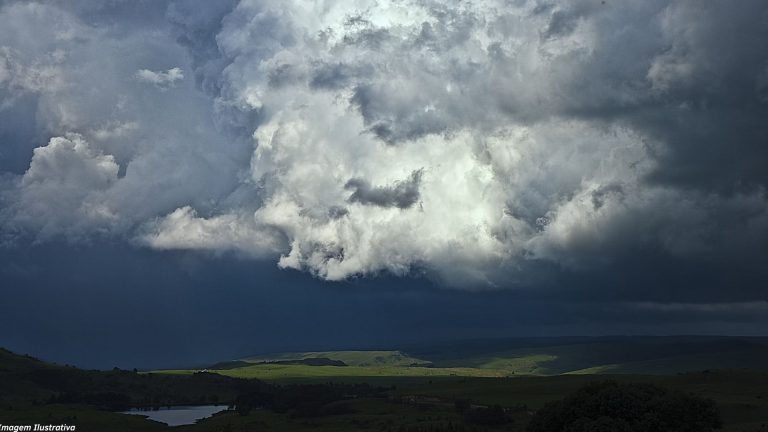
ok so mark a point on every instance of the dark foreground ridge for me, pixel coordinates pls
(37, 392)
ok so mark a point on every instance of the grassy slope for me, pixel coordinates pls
(618, 355)
(13, 384)
(582, 356)
(746, 359)
(741, 395)
(284, 372)
(350, 358)
(12, 362)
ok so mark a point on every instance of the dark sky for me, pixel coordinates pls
(186, 181)
(113, 305)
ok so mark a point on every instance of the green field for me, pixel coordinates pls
(741, 396)
(417, 390)
(657, 356)
(615, 355)
(283, 372)
(350, 358)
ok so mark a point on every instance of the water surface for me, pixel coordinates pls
(178, 415)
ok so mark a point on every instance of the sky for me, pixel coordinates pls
(184, 181)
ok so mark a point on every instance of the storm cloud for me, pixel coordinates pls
(474, 143)
(402, 194)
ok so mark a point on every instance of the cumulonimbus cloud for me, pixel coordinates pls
(463, 140)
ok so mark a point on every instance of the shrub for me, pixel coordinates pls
(491, 416)
(610, 406)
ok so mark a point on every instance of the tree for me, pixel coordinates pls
(462, 405)
(490, 416)
(611, 406)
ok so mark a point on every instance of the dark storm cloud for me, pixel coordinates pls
(336, 212)
(119, 16)
(402, 194)
(20, 129)
(195, 25)
(581, 135)
(334, 76)
(395, 119)
(108, 305)
(563, 21)
(576, 167)
(690, 76)
(600, 195)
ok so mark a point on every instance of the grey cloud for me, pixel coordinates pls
(402, 194)
(395, 117)
(337, 212)
(569, 133)
(61, 192)
(195, 25)
(563, 21)
(367, 37)
(600, 194)
(163, 80)
(684, 74)
(334, 76)
(84, 89)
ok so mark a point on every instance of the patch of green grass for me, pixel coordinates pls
(674, 364)
(350, 358)
(740, 395)
(501, 377)
(533, 364)
(282, 372)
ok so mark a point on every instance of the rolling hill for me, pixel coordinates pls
(375, 389)
(519, 356)
(349, 358)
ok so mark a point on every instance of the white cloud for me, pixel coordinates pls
(62, 189)
(351, 138)
(161, 79)
(167, 148)
(184, 229)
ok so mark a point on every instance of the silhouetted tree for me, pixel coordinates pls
(461, 405)
(491, 416)
(613, 407)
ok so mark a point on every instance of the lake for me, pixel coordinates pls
(178, 415)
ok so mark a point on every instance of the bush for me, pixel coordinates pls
(612, 407)
(492, 416)
(462, 405)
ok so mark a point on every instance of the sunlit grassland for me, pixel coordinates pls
(280, 372)
(350, 358)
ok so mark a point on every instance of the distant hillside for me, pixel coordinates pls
(348, 358)
(519, 356)
(636, 355)
(361, 397)
(14, 372)
(12, 362)
(25, 378)
(755, 358)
